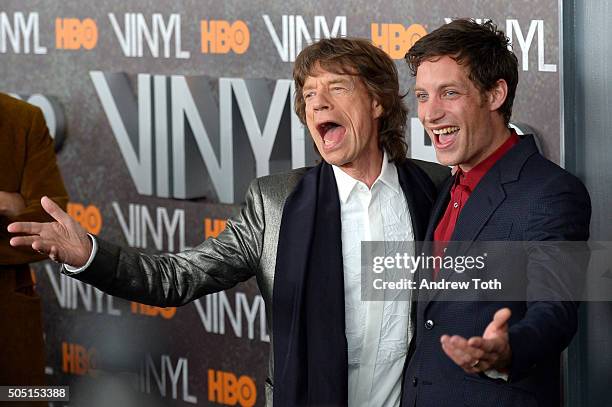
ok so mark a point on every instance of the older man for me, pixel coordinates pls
(493, 352)
(299, 235)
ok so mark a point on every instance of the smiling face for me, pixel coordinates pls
(343, 121)
(462, 122)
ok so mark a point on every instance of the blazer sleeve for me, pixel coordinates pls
(176, 279)
(40, 177)
(561, 213)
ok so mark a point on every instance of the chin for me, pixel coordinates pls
(447, 159)
(337, 163)
(333, 159)
(444, 160)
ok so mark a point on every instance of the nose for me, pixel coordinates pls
(321, 102)
(431, 111)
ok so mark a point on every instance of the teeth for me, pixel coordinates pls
(446, 130)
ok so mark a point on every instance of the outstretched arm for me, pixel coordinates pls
(63, 240)
(162, 280)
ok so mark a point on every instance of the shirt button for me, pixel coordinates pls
(455, 205)
(429, 324)
(415, 381)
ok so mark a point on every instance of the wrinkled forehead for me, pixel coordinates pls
(332, 69)
(339, 67)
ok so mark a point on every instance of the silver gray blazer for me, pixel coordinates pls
(246, 248)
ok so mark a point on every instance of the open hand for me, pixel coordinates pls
(479, 354)
(64, 240)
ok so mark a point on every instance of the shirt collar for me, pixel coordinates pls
(346, 183)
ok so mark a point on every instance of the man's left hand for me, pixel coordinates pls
(11, 203)
(482, 353)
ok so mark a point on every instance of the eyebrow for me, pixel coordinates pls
(339, 79)
(442, 86)
(332, 81)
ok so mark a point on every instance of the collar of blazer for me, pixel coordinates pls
(506, 170)
(483, 202)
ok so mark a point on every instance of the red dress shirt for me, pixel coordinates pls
(465, 183)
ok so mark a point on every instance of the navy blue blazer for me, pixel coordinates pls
(524, 197)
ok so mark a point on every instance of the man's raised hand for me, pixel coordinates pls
(482, 353)
(64, 240)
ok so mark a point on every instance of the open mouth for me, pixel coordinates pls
(331, 133)
(445, 136)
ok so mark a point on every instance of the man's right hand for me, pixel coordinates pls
(64, 240)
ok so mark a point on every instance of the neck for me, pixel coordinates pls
(368, 172)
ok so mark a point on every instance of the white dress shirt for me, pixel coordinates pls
(377, 332)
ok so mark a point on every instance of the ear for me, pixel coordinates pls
(377, 109)
(497, 95)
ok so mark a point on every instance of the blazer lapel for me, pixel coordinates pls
(417, 196)
(483, 202)
(439, 208)
(490, 193)
(420, 206)
(423, 297)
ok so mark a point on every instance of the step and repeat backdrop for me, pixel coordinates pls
(162, 113)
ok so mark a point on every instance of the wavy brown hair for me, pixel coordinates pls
(377, 71)
(483, 48)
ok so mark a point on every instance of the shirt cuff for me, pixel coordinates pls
(76, 270)
(496, 374)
